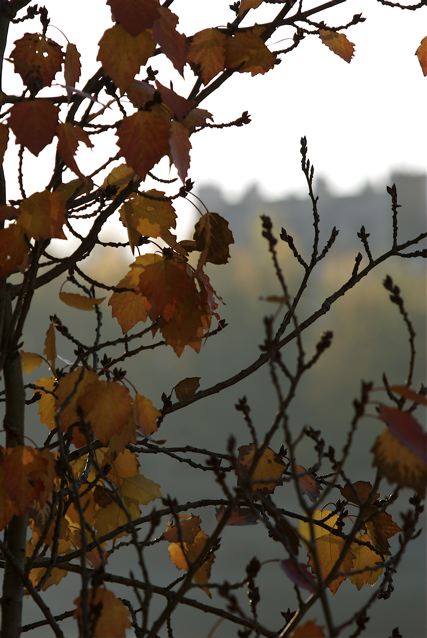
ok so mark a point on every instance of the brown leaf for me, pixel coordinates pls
(140, 93)
(172, 42)
(337, 43)
(180, 146)
(72, 66)
(307, 482)
(381, 527)
(186, 388)
(70, 387)
(197, 117)
(144, 140)
(69, 137)
(184, 530)
(309, 629)
(359, 493)
(42, 215)
(406, 429)
(213, 238)
(179, 106)
(80, 302)
(421, 54)
(398, 464)
(131, 307)
(145, 415)
(135, 15)
(134, 52)
(107, 407)
(13, 250)
(240, 515)
(247, 52)
(4, 137)
(207, 53)
(266, 475)
(408, 393)
(150, 213)
(37, 59)
(49, 349)
(34, 123)
(246, 5)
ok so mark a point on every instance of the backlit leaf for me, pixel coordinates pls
(406, 429)
(213, 238)
(299, 575)
(180, 146)
(179, 106)
(381, 527)
(34, 123)
(13, 250)
(144, 140)
(421, 54)
(140, 93)
(145, 415)
(69, 137)
(119, 177)
(46, 404)
(359, 493)
(338, 43)
(240, 515)
(42, 215)
(107, 407)
(184, 530)
(266, 475)
(80, 302)
(130, 307)
(140, 489)
(309, 629)
(28, 476)
(49, 350)
(328, 549)
(149, 213)
(365, 558)
(70, 387)
(186, 388)
(307, 482)
(172, 42)
(207, 53)
(184, 554)
(37, 59)
(72, 66)
(30, 361)
(108, 616)
(324, 516)
(135, 15)
(134, 52)
(4, 137)
(408, 393)
(398, 464)
(247, 52)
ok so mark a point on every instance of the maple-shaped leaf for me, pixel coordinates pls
(264, 476)
(145, 415)
(69, 137)
(80, 302)
(135, 15)
(307, 482)
(184, 529)
(107, 407)
(37, 59)
(329, 548)
(179, 106)
(324, 516)
(247, 52)
(30, 361)
(13, 250)
(213, 238)
(46, 404)
(144, 139)
(299, 575)
(108, 616)
(49, 349)
(207, 53)
(34, 123)
(186, 388)
(122, 54)
(29, 475)
(309, 629)
(42, 215)
(140, 489)
(380, 527)
(408, 393)
(365, 559)
(421, 54)
(406, 429)
(149, 213)
(184, 554)
(246, 5)
(398, 464)
(338, 43)
(180, 147)
(4, 137)
(172, 42)
(72, 66)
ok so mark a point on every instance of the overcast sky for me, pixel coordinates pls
(362, 119)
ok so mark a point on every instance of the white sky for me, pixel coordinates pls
(362, 119)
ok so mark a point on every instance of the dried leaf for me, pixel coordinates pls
(107, 407)
(34, 123)
(309, 629)
(119, 177)
(49, 350)
(13, 250)
(408, 393)
(140, 489)
(324, 516)
(172, 42)
(307, 482)
(246, 5)
(72, 66)
(4, 137)
(247, 52)
(186, 388)
(421, 54)
(70, 387)
(135, 15)
(30, 361)
(184, 530)
(179, 106)
(46, 404)
(69, 137)
(80, 302)
(184, 554)
(213, 238)
(359, 493)
(42, 215)
(37, 59)
(108, 616)
(131, 307)
(140, 93)
(28, 474)
(180, 147)
(145, 415)
(337, 43)
(207, 53)
(240, 515)
(381, 527)
(149, 213)
(398, 464)
(266, 475)
(299, 575)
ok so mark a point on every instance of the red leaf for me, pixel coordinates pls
(144, 140)
(406, 429)
(69, 137)
(37, 59)
(178, 105)
(180, 146)
(34, 123)
(173, 43)
(135, 15)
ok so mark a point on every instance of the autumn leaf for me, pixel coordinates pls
(38, 574)
(213, 238)
(328, 549)
(140, 489)
(337, 43)
(34, 123)
(246, 5)
(135, 15)
(299, 575)
(421, 54)
(365, 559)
(108, 616)
(134, 52)
(247, 52)
(307, 482)
(130, 306)
(69, 137)
(324, 516)
(380, 527)
(30, 361)
(408, 393)
(13, 250)
(184, 554)
(49, 350)
(72, 66)
(172, 42)
(309, 629)
(140, 93)
(184, 529)
(180, 146)
(145, 415)
(46, 404)
(106, 406)
(239, 516)
(265, 475)
(406, 429)
(186, 388)
(197, 117)
(179, 106)
(398, 464)
(144, 140)
(150, 214)
(207, 53)
(37, 59)
(119, 177)
(70, 387)
(42, 215)
(80, 302)
(359, 493)
(4, 137)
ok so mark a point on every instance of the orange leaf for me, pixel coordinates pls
(180, 146)
(184, 554)
(70, 387)
(323, 516)
(172, 43)
(107, 407)
(186, 388)
(144, 140)
(213, 238)
(149, 213)
(30, 361)
(365, 558)
(13, 250)
(406, 392)
(130, 307)
(207, 53)
(135, 15)
(328, 548)
(47, 404)
(69, 137)
(72, 66)
(37, 59)
(108, 616)
(50, 346)
(80, 302)
(4, 137)
(134, 52)
(265, 476)
(398, 464)
(337, 43)
(42, 215)
(29, 474)
(246, 5)
(145, 415)
(34, 123)
(309, 629)
(247, 52)
(184, 530)
(421, 54)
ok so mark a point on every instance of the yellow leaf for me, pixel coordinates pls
(365, 558)
(267, 473)
(47, 403)
(30, 361)
(145, 414)
(79, 301)
(107, 407)
(42, 215)
(398, 464)
(328, 548)
(184, 554)
(247, 52)
(108, 616)
(324, 516)
(140, 489)
(338, 43)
